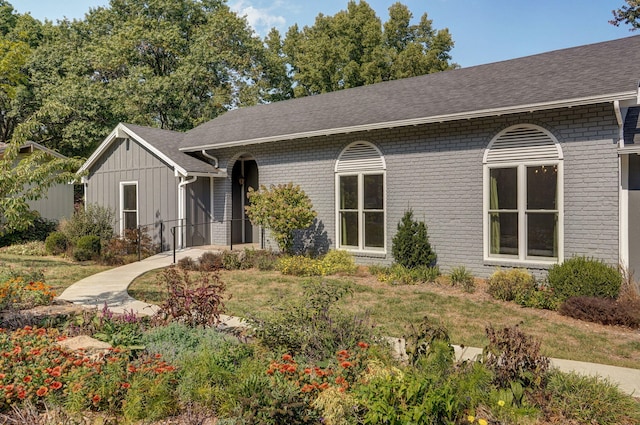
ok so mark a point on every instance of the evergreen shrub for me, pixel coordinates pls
(582, 276)
(56, 243)
(410, 245)
(87, 248)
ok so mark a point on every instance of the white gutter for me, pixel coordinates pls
(424, 120)
(182, 205)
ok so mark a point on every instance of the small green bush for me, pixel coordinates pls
(87, 248)
(231, 260)
(410, 245)
(463, 277)
(508, 285)
(333, 262)
(338, 261)
(582, 276)
(93, 220)
(397, 274)
(56, 243)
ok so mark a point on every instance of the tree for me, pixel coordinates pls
(282, 209)
(27, 178)
(628, 14)
(353, 48)
(411, 247)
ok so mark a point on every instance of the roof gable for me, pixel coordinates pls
(162, 143)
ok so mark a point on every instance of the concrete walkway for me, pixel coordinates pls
(110, 287)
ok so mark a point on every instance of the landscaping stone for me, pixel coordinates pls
(86, 343)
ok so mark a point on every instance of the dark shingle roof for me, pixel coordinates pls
(168, 142)
(579, 73)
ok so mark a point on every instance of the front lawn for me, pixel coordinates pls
(59, 273)
(396, 307)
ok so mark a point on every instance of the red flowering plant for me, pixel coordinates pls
(35, 368)
(313, 379)
(20, 293)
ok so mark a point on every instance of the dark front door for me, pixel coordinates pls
(244, 175)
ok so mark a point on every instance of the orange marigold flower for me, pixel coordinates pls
(307, 388)
(56, 385)
(17, 349)
(132, 368)
(77, 362)
(27, 379)
(96, 399)
(42, 391)
(35, 352)
(158, 356)
(346, 364)
(307, 371)
(56, 371)
(324, 386)
(269, 371)
(8, 388)
(343, 353)
(363, 345)
(2, 376)
(287, 357)
(28, 328)
(48, 381)
(126, 385)
(339, 380)
(22, 394)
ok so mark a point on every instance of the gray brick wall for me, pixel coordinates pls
(437, 171)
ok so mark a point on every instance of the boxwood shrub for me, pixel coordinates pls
(583, 276)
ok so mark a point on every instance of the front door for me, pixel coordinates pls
(244, 175)
(634, 215)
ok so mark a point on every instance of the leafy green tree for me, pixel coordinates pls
(628, 14)
(410, 245)
(353, 48)
(27, 178)
(282, 209)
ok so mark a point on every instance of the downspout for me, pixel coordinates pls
(182, 205)
(211, 157)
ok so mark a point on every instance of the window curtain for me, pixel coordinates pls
(495, 218)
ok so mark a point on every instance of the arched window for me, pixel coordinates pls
(360, 198)
(523, 196)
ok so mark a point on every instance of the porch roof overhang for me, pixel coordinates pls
(466, 115)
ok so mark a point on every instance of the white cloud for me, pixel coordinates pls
(261, 19)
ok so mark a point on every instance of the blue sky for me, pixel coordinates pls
(484, 30)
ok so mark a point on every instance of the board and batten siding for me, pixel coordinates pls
(128, 161)
(56, 204)
(437, 170)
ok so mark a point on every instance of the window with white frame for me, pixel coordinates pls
(523, 196)
(128, 205)
(360, 198)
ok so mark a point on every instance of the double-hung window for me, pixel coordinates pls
(128, 206)
(360, 198)
(523, 197)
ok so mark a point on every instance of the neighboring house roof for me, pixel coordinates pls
(29, 147)
(602, 72)
(163, 143)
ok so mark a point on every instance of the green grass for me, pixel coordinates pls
(395, 308)
(59, 273)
